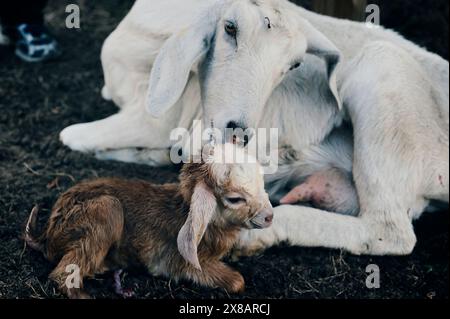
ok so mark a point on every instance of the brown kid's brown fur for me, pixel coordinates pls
(110, 224)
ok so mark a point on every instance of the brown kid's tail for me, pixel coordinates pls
(30, 230)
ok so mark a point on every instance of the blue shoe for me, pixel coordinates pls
(35, 44)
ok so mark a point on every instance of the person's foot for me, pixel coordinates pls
(35, 44)
(4, 39)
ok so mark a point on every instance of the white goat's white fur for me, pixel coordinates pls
(393, 93)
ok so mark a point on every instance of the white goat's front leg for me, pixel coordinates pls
(117, 131)
(151, 157)
(309, 227)
(130, 128)
(306, 227)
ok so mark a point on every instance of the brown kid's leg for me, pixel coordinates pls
(217, 274)
(86, 257)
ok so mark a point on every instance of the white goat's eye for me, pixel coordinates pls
(231, 29)
(295, 66)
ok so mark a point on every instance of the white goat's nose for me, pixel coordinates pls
(234, 125)
(236, 133)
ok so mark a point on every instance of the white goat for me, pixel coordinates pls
(236, 58)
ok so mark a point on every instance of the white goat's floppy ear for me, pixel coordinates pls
(319, 45)
(203, 206)
(175, 60)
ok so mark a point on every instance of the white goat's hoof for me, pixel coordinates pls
(77, 138)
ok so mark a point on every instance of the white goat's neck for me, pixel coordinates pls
(301, 116)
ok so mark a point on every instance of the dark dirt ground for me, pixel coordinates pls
(38, 101)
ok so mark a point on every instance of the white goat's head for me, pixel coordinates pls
(242, 50)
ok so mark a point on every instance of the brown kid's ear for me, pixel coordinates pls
(203, 206)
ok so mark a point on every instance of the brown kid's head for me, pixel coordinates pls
(227, 189)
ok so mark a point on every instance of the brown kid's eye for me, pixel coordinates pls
(235, 200)
(230, 29)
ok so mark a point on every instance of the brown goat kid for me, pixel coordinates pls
(178, 230)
